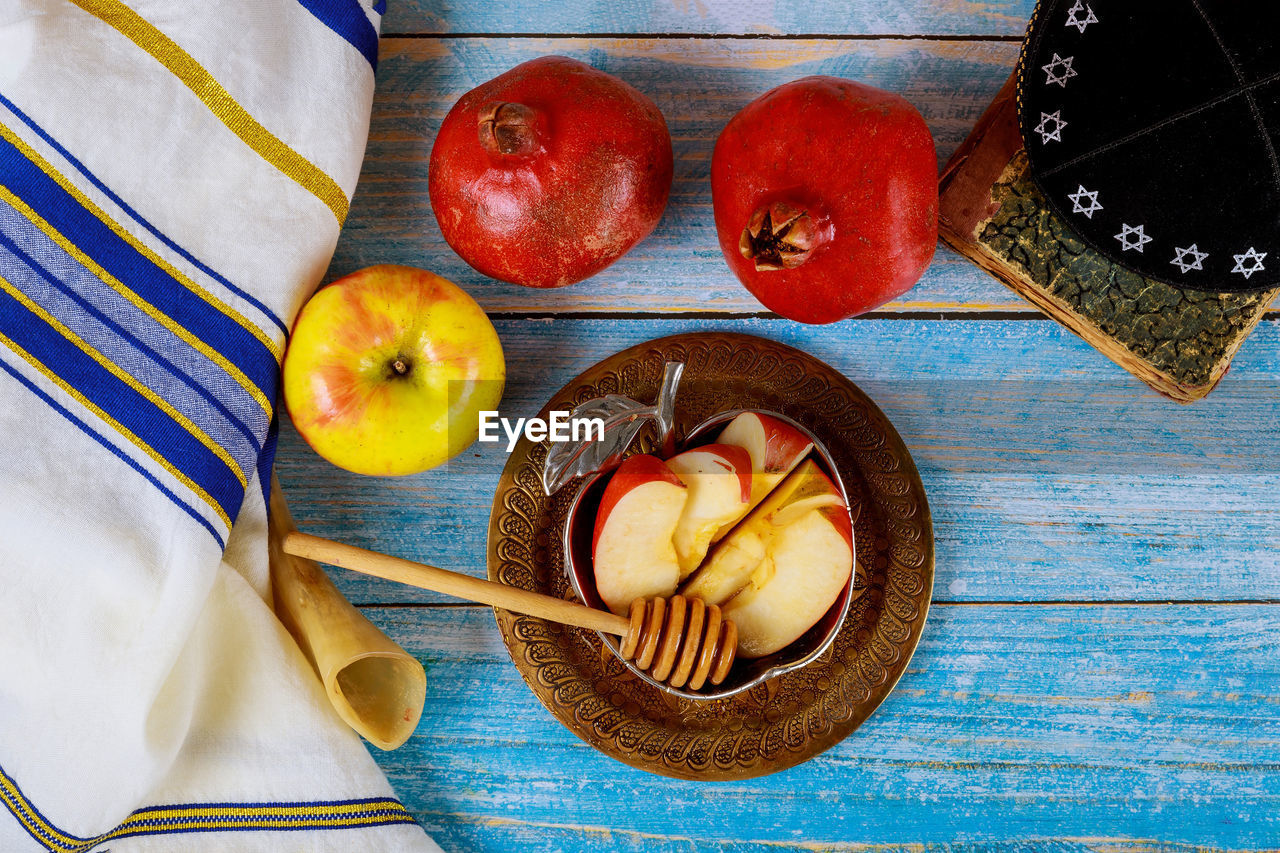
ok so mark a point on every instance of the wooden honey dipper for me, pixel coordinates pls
(680, 642)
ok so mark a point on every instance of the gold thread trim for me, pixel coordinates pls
(102, 216)
(179, 818)
(117, 426)
(115, 370)
(137, 301)
(224, 107)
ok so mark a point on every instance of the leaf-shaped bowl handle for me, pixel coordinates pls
(623, 419)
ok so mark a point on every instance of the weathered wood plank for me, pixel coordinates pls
(699, 85)
(469, 835)
(1051, 473)
(1100, 726)
(997, 18)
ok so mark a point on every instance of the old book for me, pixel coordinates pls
(1178, 340)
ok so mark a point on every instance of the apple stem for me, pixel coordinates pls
(780, 236)
(400, 367)
(508, 129)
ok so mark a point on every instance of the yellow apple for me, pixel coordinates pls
(388, 369)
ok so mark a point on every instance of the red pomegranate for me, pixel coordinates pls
(826, 198)
(547, 174)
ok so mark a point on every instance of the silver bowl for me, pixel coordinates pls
(745, 674)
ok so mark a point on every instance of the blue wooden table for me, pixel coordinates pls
(1101, 667)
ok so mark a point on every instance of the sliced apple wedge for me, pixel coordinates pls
(808, 566)
(719, 480)
(631, 548)
(734, 560)
(775, 448)
(783, 567)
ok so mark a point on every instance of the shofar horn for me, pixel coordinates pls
(376, 687)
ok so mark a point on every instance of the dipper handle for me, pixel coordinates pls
(680, 642)
(452, 583)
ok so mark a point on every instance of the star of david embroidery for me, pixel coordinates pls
(1054, 135)
(1130, 231)
(1193, 252)
(1074, 19)
(1058, 71)
(1252, 255)
(1077, 202)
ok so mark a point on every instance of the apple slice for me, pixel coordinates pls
(734, 560)
(719, 481)
(781, 569)
(631, 549)
(808, 566)
(775, 448)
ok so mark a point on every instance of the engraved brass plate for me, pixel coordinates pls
(788, 719)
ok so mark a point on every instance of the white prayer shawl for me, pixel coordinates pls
(173, 177)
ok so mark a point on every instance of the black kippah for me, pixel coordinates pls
(1151, 128)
